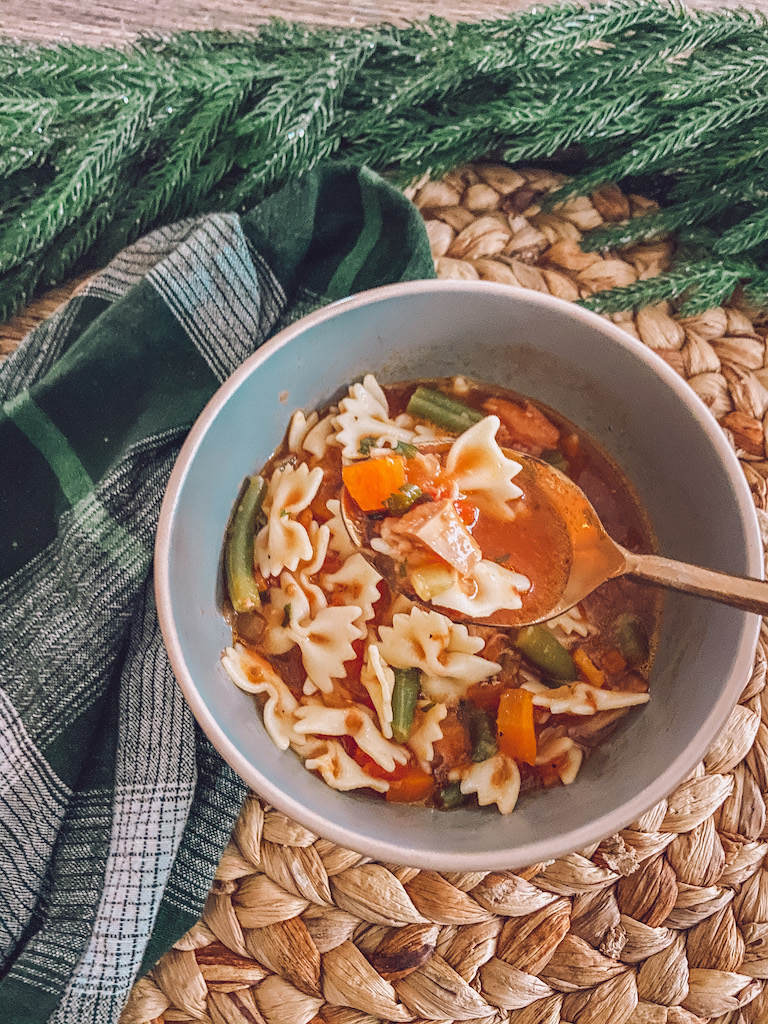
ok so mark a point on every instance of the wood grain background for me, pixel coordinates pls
(115, 21)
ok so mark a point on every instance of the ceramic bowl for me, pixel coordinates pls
(613, 387)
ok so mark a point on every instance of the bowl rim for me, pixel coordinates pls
(535, 851)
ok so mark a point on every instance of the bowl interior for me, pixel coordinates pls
(627, 399)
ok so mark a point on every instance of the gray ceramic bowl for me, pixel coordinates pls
(628, 399)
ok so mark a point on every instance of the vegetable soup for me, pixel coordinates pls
(403, 695)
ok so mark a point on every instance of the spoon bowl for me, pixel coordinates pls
(595, 556)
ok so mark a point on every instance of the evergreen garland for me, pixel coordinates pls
(97, 146)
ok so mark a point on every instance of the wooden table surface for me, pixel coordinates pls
(115, 21)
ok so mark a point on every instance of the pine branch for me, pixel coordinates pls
(99, 145)
(750, 233)
(294, 128)
(699, 285)
(756, 289)
(708, 201)
(82, 176)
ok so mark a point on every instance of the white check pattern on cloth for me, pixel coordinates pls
(219, 295)
(151, 804)
(35, 799)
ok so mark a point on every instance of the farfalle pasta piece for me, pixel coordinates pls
(283, 542)
(497, 588)
(443, 650)
(321, 436)
(565, 754)
(319, 720)
(326, 643)
(379, 680)
(426, 732)
(495, 781)
(341, 772)
(482, 470)
(319, 538)
(572, 621)
(254, 674)
(288, 606)
(356, 583)
(364, 413)
(340, 541)
(298, 429)
(581, 698)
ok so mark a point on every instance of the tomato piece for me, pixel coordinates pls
(374, 769)
(468, 513)
(486, 695)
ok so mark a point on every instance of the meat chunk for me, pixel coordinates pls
(439, 527)
(527, 427)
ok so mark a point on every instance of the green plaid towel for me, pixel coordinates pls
(114, 808)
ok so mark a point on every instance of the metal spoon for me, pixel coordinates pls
(596, 558)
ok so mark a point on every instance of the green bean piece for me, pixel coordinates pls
(406, 496)
(405, 693)
(406, 450)
(442, 410)
(451, 796)
(555, 458)
(631, 638)
(542, 648)
(483, 737)
(238, 551)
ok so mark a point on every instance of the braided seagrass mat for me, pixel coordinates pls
(664, 923)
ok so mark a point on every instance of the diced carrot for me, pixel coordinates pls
(613, 660)
(587, 667)
(412, 788)
(514, 725)
(370, 483)
(468, 513)
(526, 424)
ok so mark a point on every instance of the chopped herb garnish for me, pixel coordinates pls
(287, 615)
(502, 559)
(406, 450)
(366, 444)
(283, 513)
(406, 496)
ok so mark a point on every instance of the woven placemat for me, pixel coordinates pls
(666, 921)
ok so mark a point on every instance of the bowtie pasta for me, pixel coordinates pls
(392, 694)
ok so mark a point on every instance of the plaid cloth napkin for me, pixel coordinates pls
(114, 808)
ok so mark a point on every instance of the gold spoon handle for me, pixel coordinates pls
(738, 591)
